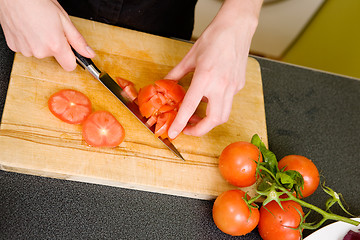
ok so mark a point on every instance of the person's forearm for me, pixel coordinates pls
(237, 11)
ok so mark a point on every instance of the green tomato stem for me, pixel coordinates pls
(326, 215)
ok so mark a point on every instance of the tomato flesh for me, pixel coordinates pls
(278, 224)
(101, 129)
(163, 123)
(128, 88)
(160, 101)
(306, 168)
(70, 106)
(232, 215)
(238, 163)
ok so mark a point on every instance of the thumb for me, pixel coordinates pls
(75, 39)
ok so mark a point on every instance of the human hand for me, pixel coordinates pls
(218, 59)
(42, 28)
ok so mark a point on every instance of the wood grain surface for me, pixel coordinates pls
(33, 141)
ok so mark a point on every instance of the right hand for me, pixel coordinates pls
(42, 28)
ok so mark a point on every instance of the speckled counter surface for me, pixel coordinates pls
(308, 112)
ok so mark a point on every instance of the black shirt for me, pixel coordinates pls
(168, 18)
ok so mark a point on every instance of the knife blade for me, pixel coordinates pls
(117, 91)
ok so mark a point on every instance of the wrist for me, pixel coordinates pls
(242, 13)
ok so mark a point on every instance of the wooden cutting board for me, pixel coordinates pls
(33, 141)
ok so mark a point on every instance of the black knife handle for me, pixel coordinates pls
(84, 62)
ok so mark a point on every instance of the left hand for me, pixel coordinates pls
(218, 60)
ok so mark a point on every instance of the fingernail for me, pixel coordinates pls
(173, 134)
(90, 51)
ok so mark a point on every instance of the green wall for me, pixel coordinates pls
(331, 42)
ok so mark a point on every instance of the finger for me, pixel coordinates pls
(65, 57)
(181, 69)
(76, 40)
(10, 40)
(23, 46)
(217, 112)
(211, 120)
(186, 110)
(194, 119)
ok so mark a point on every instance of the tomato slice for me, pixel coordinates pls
(70, 106)
(102, 129)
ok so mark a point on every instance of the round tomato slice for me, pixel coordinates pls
(70, 106)
(102, 129)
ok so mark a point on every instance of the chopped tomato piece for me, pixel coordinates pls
(163, 123)
(146, 93)
(102, 129)
(151, 121)
(128, 88)
(172, 90)
(70, 106)
(161, 100)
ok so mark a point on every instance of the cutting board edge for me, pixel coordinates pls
(106, 182)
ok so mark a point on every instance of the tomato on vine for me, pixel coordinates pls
(238, 163)
(278, 223)
(232, 214)
(306, 168)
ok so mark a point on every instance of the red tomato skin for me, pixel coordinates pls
(102, 129)
(232, 215)
(306, 168)
(237, 163)
(70, 106)
(278, 224)
(146, 93)
(171, 89)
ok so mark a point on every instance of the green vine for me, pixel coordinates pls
(280, 185)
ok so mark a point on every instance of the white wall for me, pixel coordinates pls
(280, 23)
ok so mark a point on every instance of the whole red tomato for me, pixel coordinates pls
(232, 215)
(306, 168)
(280, 224)
(238, 162)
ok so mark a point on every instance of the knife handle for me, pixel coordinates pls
(86, 63)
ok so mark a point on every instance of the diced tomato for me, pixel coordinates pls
(102, 129)
(160, 102)
(172, 90)
(151, 121)
(70, 106)
(164, 121)
(128, 88)
(146, 93)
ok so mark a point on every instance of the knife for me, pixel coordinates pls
(117, 91)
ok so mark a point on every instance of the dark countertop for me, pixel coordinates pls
(308, 112)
